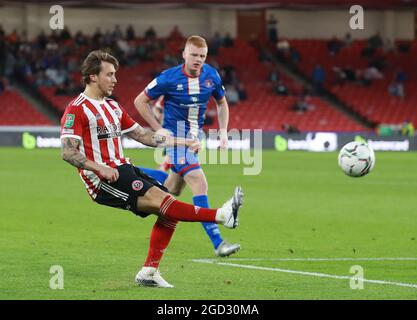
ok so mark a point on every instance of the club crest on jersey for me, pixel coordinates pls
(118, 113)
(208, 83)
(194, 99)
(180, 87)
(137, 185)
(69, 120)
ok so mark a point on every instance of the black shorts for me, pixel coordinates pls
(124, 193)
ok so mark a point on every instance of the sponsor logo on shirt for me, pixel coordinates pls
(105, 132)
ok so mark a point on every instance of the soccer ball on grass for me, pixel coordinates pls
(356, 159)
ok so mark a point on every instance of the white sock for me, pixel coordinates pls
(221, 215)
(148, 269)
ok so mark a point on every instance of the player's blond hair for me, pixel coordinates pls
(197, 41)
(92, 64)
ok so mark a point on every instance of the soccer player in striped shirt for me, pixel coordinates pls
(187, 89)
(91, 130)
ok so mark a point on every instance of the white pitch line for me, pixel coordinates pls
(304, 273)
(315, 259)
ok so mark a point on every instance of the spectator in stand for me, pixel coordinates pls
(170, 61)
(348, 40)
(215, 43)
(232, 95)
(130, 33)
(350, 74)
(229, 75)
(378, 62)
(396, 89)
(65, 34)
(274, 76)
(42, 80)
(107, 39)
(281, 89)
(228, 41)
(389, 46)
(41, 40)
(290, 129)
(117, 33)
(175, 34)
(97, 36)
(334, 46)
(68, 88)
(264, 55)
(272, 29)
(13, 37)
(241, 90)
(303, 104)
(375, 41)
(150, 33)
(369, 74)
(400, 76)
(295, 55)
(407, 129)
(318, 76)
(57, 76)
(80, 39)
(283, 49)
(339, 76)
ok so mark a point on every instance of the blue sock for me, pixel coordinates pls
(212, 229)
(156, 174)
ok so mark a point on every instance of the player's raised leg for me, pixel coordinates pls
(198, 184)
(170, 211)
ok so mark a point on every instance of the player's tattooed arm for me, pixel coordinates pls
(148, 137)
(154, 139)
(70, 153)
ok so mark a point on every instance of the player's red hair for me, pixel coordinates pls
(197, 41)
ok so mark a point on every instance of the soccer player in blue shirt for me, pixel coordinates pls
(187, 89)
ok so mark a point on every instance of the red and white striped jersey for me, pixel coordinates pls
(99, 126)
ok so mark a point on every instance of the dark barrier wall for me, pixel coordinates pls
(311, 141)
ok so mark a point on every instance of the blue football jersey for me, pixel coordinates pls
(185, 97)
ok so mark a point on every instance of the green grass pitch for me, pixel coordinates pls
(300, 207)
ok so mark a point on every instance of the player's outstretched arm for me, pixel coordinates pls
(70, 153)
(142, 105)
(154, 139)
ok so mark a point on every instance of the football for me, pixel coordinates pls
(356, 159)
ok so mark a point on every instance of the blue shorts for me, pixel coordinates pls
(182, 160)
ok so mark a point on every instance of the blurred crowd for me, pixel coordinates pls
(54, 60)
(374, 51)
